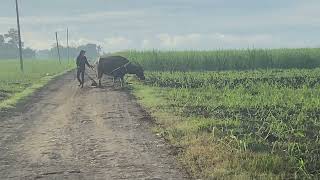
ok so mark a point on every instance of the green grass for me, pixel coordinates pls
(239, 125)
(15, 85)
(236, 114)
(243, 59)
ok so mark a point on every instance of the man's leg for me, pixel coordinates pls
(82, 78)
(78, 76)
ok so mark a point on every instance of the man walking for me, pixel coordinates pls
(81, 66)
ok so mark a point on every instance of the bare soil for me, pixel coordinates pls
(65, 132)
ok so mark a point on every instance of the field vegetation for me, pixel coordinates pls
(251, 120)
(14, 84)
(246, 59)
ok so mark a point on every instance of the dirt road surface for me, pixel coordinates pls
(64, 132)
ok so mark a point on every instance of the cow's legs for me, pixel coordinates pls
(122, 81)
(99, 78)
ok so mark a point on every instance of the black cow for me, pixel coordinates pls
(118, 67)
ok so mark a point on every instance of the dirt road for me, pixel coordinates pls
(64, 132)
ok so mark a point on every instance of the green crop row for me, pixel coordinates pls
(245, 59)
(279, 78)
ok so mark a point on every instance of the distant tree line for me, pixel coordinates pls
(9, 46)
(92, 51)
(9, 49)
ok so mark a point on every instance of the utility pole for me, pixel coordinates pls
(58, 47)
(68, 44)
(19, 34)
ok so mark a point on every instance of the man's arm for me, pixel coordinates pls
(87, 63)
(77, 62)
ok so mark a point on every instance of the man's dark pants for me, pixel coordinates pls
(80, 76)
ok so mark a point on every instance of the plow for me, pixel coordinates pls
(93, 82)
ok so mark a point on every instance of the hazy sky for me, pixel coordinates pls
(167, 24)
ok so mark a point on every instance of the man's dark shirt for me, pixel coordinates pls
(81, 62)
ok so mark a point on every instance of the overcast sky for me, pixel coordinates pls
(167, 24)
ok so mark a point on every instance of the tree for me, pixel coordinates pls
(29, 53)
(13, 37)
(91, 51)
(9, 46)
(1, 40)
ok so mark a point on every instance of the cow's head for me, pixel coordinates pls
(135, 69)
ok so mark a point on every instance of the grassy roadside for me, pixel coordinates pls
(226, 143)
(202, 153)
(261, 122)
(16, 85)
(197, 149)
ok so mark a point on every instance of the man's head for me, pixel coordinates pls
(82, 52)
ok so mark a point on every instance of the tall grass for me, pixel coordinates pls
(245, 59)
